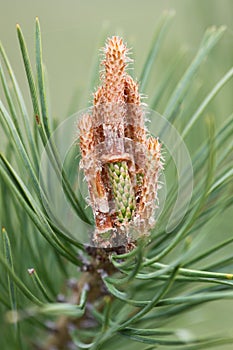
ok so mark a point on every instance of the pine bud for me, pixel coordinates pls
(121, 161)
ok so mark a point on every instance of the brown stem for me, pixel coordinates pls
(100, 263)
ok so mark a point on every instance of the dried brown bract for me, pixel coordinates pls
(121, 161)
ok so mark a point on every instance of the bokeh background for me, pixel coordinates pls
(73, 31)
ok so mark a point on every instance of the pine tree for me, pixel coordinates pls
(122, 266)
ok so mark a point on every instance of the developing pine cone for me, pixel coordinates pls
(121, 161)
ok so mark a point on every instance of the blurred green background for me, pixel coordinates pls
(72, 33)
